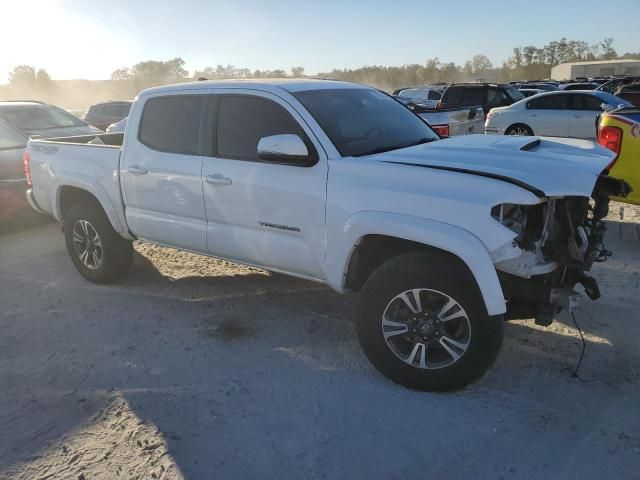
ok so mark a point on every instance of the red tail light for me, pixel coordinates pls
(442, 130)
(611, 138)
(26, 160)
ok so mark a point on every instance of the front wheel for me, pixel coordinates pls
(422, 323)
(99, 253)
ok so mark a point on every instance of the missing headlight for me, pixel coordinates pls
(526, 221)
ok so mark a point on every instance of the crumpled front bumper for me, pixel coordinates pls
(576, 245)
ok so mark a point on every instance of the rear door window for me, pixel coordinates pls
(548, 102)
(171, 124)
(244, 119)
(453, 95)
(473, 96)
(497, 98)
(587, 102)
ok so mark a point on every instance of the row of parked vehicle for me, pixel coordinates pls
(570, 112)
(602, 109)
(542, 107)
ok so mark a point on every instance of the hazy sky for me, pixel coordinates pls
(82, 39)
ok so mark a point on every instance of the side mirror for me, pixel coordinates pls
(606, 107)
(285, 148)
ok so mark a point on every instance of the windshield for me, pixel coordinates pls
(363, 121)
(40, 117)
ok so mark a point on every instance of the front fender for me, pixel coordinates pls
(90, 185)
(459, 242)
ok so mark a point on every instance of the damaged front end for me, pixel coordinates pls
(560, 240)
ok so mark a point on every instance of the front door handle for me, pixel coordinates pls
(137, 170)
(217, 179)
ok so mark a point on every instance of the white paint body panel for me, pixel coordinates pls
(331, 205)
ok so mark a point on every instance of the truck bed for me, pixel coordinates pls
(84, 161)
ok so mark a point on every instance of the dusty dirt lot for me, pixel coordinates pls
(196, 368)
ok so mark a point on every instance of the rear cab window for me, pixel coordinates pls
(172, 124)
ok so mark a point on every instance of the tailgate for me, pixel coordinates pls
(461, 121)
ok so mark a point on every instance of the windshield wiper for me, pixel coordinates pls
(395, 147)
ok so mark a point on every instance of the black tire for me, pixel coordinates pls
(437, 274)
(115, 252)
(525, 130)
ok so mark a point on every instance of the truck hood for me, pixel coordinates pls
(546, 166)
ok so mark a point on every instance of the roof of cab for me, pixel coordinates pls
(266, 84)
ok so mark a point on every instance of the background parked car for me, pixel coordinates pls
(619, 131)
(12, 180)
(630, 92)
(18, 122)
(545, 87)
(449, 122)
(104, 114)
(553, 114)
(488, 95)
(529, 92)
(427, 97)
(37, 118)
(579, 86)
(117, 127)
(614, 84)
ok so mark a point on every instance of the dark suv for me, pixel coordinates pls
(489, 95)
(104, 114)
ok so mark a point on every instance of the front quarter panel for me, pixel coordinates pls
(447, 210)
(436, 234)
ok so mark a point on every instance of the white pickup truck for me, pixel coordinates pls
(339, 183)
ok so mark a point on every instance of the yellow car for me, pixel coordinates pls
(619, 130)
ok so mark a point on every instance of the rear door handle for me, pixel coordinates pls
(137, 170)
(217, 179)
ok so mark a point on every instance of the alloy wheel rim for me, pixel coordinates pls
(519, 131)
(426, 328)
(87, 244)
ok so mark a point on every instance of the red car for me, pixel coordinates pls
(13, 183)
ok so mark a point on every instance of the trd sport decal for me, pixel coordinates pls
(280, 227)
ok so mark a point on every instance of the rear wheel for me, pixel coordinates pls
(519, 129)
(99, 253)
(422, 323)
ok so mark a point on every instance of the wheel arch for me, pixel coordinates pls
(520, 124)
(74, 190)
(371, 238)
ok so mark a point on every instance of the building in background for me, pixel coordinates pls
(596, 68)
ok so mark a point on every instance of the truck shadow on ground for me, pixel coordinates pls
(241, 374)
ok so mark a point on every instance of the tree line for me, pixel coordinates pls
(526, 63)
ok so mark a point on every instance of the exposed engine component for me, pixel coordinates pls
(567, 232)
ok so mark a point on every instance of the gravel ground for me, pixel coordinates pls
(196, 368)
